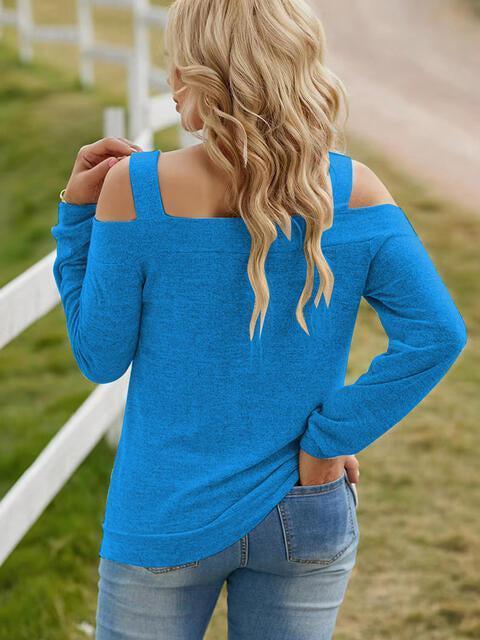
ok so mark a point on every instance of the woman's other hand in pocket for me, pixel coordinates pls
(314, 470)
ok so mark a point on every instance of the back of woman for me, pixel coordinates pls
(238, 327)
(213, 419)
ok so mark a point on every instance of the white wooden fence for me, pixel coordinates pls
(32, 294)
(142, 75)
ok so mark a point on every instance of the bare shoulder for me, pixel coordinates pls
(116, 198)
(367, 189)
(176, 169)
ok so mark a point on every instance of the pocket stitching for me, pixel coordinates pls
(288, 533)
(309, 489)
(176, 567)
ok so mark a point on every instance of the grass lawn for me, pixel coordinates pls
(416, 573)
(476, 5)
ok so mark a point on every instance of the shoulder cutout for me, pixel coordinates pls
(368, 190)
(116, 199)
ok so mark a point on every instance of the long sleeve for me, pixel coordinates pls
(98, 272)
(426, 334)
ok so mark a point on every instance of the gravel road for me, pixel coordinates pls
(412, 73)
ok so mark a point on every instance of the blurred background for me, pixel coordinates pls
(70, 72)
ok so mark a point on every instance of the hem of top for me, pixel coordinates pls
(217, 244)
(130, 549)
(341, 208)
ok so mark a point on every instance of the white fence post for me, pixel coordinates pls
(114, 122)
(25, 26)
(139, 70)
(85, 42)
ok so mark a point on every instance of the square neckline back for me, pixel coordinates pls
(149, 203)
(231, 234)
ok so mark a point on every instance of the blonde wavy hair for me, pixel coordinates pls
(270, 109)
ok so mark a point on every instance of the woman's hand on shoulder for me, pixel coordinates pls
(92, 164)
(116, 201)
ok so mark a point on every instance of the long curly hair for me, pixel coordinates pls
(255, 74)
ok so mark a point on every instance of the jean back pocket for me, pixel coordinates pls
(319, 522)
(176, 567)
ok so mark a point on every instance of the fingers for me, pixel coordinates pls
(111, 144)
(92, 154)
(132, 144)
(98, 173)
(352, 468)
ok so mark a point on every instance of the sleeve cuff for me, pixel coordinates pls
(74, 213)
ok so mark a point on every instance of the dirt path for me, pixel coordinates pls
(412, 72)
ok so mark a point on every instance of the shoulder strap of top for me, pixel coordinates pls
(147, 195)
(145, 185)
(341, 174)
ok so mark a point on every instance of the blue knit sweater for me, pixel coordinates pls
(213, 421)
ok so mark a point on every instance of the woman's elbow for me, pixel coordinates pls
(101, 372)
(452, 337)
(101, 377)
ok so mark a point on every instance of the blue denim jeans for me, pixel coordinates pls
(286, 578)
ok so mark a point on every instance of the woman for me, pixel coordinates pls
(230, 274)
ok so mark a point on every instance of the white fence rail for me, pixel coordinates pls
(142, 75)
(35, 489)
(32, 294)
(26, 299)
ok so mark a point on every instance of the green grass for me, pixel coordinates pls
(48, 584)
(475, 4)
(415, 576)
